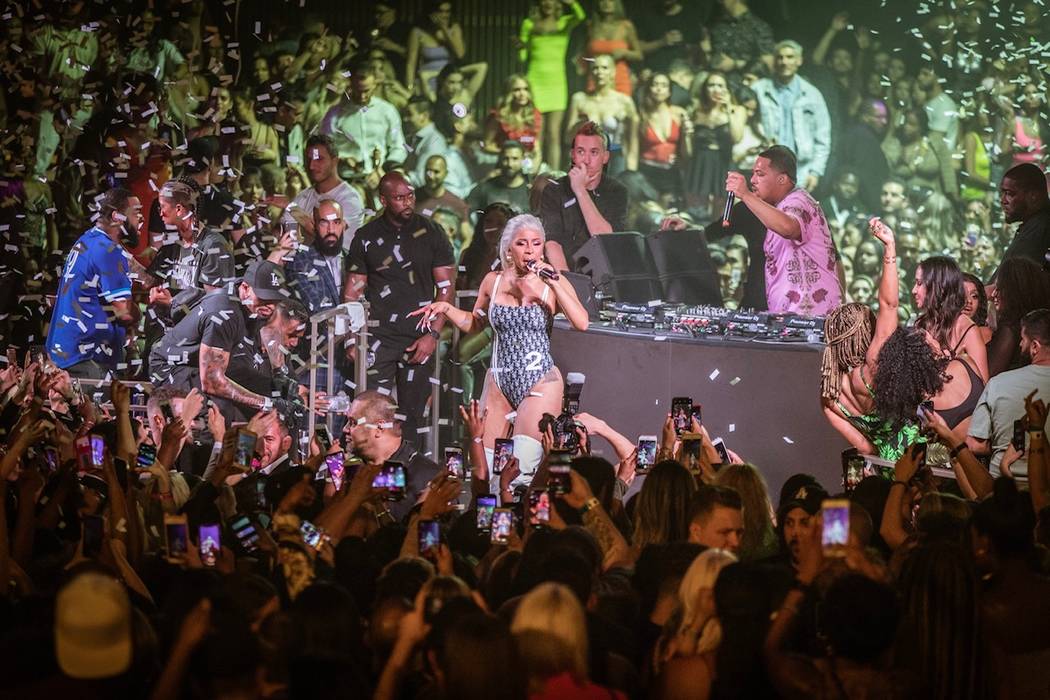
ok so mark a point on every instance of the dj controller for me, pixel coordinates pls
(713, 322)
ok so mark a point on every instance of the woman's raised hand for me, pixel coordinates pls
(881, 231)
(429, 313)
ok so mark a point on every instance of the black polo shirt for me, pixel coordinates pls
(1032, 239)
(400, 266)
(563, 221)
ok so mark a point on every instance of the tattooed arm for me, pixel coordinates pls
(213, 363)
(615, 550)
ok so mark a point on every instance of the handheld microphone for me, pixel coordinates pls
(730, 201)
(534, 266)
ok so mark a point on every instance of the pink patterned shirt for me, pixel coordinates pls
(800, 275)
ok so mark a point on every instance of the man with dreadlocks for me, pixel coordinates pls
(853, 336)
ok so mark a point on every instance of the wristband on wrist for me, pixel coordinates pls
(1036, 432)
(589, 505)
(957, 449)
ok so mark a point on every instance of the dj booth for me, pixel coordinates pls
(658, 330)
(762, 398)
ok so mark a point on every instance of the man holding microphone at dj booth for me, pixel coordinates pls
(803, 275)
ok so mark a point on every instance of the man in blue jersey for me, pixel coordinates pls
(94, 307)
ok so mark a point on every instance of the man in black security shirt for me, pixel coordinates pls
(218, 339)
(375, 435)
(1022, 194)
(399, 262)
(583, 203)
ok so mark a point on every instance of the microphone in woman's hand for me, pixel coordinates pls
(534, 266)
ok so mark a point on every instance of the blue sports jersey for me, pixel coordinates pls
(95, 274)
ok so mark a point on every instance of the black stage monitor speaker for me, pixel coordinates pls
(684, 267)
(584, 289)
(619, 264)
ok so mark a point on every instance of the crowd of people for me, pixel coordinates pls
(178, 203)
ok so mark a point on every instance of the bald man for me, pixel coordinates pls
(399, 262)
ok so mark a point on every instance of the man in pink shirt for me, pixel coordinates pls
(802, 274)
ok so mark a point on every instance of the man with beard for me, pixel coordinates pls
(1022, 194)
(93, 306)
(507, 185)
(800, 500)
(218, 339)
(316, 274)
(794, 114)
(433, 195)
(1003, 399)
(802, 271)
(322, 167)
(399, 262)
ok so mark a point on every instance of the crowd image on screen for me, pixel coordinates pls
(187, 186)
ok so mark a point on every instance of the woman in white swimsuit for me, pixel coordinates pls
(517, 301)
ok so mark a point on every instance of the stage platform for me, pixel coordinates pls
(761, 398)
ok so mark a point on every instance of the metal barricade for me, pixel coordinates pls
(350, 317)
(435, 392)
(139, 390)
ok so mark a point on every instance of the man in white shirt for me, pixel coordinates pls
(322, 167)
(1002, 403)
(365, 124)
(428, 142)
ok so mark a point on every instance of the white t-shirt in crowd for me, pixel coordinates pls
(1001, 404)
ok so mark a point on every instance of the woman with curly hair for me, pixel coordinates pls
(1021, 286)
(907, 374)
(910, 372)
(854, 335)
(940, 295)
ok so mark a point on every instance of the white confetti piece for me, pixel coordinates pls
(732, 427)
(713, 375)
(511, 415)
(734, 381)
(788, 440)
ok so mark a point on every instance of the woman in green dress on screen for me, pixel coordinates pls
(543, 45)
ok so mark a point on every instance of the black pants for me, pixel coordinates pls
(390, 372)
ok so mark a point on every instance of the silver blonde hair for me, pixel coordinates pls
(702, 574)
(518, 223)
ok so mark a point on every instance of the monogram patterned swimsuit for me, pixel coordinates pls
(521, 352)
